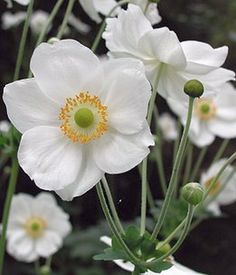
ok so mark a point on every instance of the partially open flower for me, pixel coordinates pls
(224, 190)
(38, 21)
(36, 228)
(79, 117)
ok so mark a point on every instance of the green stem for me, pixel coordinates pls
(37, 267)
(188, 165)
(112, 205)
(23, 41)
(46, 26)
(175, 172)
(198, 163)
(143, 197)
(221, 150)
(177, 141)
(102, 27)
(112, 225)
(66, 18)
(7, 205)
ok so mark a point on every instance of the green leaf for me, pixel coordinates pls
(132, 237)
(160, 266)
(110, 255)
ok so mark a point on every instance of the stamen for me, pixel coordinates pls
(215, 188)
(205, 109)
(35, 227)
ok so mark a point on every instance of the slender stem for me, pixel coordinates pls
(187, 224)
(23, 40)
(175, 171)
(112, 224)
(66, 18)
(47, 24)
(37, 267)
(198, 164)
(10, 193)
(112, 205)
(188, 165)
(143, 197)
(214, 181)
(221, 150)
(103, 25)
(177, 141)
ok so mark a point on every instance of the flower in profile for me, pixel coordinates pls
(79, 117)
(163, 55)
(94, 7)
(5, 126)
(10, 20)
(21, 2)
(36, 227)
(224, 191)
(168, 126)
(38, 21)
(176, 269)
(150, 10)
(213, 115)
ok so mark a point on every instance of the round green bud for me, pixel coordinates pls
(45, 270)
(53, 40)
(84, 117)
(164, 248)
(193, 88)
(193, 193)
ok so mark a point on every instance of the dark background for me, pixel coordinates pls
(211, 246)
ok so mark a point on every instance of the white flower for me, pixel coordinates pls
(151, 13)
(213, 115)
(36, 227)
(80, 26)
(5, 126)
(131, 35)
(94, 7)
(21, 2)
(168, 126)
(176, 269)
(38, 21)
(227, 182)
(79, 117)
(10, 20)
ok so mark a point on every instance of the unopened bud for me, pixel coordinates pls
(164, 248)
(53, 40)
(193, 88)
(193, 193)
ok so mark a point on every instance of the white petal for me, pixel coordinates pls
(89, 8)
(45, 197)
(88, 176)
(123, 33)
(223, 128)
(23, 2)
(61, 69)
(115, 153)
(126, 94)
(163, 45)
(203, 137)
(28, 107)
(49, 157)
(48, 244)
(202, 58)
(105, 6)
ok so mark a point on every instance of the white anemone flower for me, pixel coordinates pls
(213, 115)
(168, 126)
(38, 21)
(176, 269)
(95, 7)
(10, 20)
(36, 227)
(131, 35)
(21, 2)
(225, 187)
(5, 126)
(150, 10)
(79, 117)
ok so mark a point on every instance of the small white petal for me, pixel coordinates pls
(28, 107)
(204, 137)
(49, 157)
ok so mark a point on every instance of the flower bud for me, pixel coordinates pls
(164, 248)
(53, 40)
(45, 270)
(193, 88)
(193, 193)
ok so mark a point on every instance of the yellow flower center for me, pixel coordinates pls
(205, 109)
(35, 227)
(84, 118)
(216, 187)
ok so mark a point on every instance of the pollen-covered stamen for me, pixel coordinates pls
(205, 109)
(35, 227)
(215, 188)
(83, 117)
